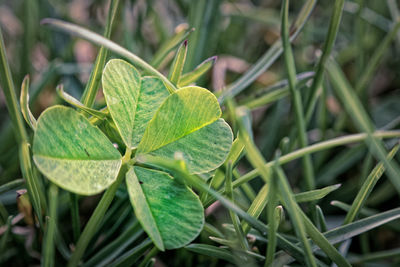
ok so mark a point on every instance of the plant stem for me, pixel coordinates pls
(49, 236)
(76, 231)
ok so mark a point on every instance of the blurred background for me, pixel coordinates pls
(239, 33)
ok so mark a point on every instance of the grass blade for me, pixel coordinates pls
(326, 51)
(24, 101)
(241, 237)
(373, 63)
(11, 185)
(100, 40)
(268, 58)
(95, 220)
(90, 92)
(113, 249)
(343, 140)
(308, 170)
(51, 225)
(212, 251)
(367, 187)
(169, 45)
(130, 257)
(290, 204)
(76, 103)
(315, 194)
(195, 74)
(357, 112)
(177, 65)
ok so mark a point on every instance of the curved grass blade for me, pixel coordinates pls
(76, 103)
(100, 40)
(24, 102)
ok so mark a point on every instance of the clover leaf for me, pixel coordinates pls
(150, 120)
(73, 153)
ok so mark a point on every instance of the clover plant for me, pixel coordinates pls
(73, 152)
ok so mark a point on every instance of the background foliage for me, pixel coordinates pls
(250, 68)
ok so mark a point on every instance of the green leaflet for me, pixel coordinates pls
(74, 154)
(132, 100)
(121, 83)
(188, 122)
(170, 213)
(152, 94)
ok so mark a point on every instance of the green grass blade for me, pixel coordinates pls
(268, 58)
(95, 219)
(376, 57)
(149, 257)
(48, 252)
(200, 70)
(76, 103)
(24, 102)
(367, 187)
(326, 51)
(31, 177)
(308, 170)
(92, 86)
(342, 233)
(168, 46)
(339, 141)
(177, 65)
(212, 251)
(296, 218)
(7, 85)
(321, 219)
(323, 242)
(100, 40)
(4, 238)
(104, 256)
(130, 257)
(11, 185)
(315, 194)
(357, 112)
(274, 216)
(258, 205)
(241, 237)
